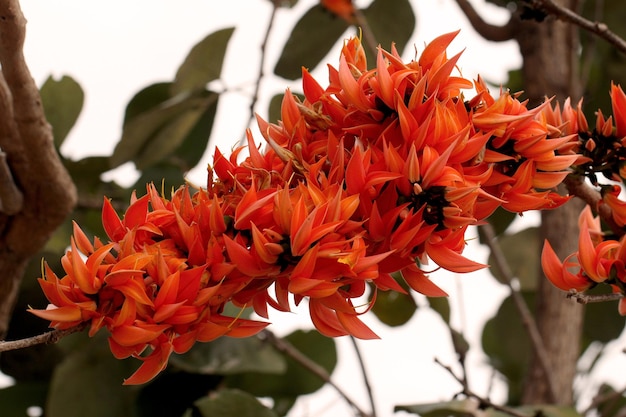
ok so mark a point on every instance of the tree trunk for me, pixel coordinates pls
(549, 50)
(36, 192)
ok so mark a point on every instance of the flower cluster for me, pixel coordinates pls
(361, 184)
(601, 257)
(597, 260)
(160, 282)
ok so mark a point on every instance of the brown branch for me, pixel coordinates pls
(527, 317)
(288, 349)
(488, 31)
(593, 298)
(48, 338)
(598, 28)
(576, 186)
(366, 30)
(483, 402)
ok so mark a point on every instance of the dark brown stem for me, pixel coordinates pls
(577, 187)
(288, 349)
(488, 31)
(366, 30)
(598, 28)
(527, 318)
(594, 298)
(50, 337)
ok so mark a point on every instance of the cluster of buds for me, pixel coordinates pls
(360, 185)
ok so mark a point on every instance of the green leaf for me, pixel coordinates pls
(191, 150)
(62, 102)
(275, 106)
(506, 343)
(522, 252)
(296, 380)
(146, 99)
(311, 39)
(203, 64)
(391, 21)
(500, 220)
(86, 173)
(394, 308)
(455, 408)
(16, 399)
(226, 356)
(231, 403)
(460, 344)
(179, 391)
(441, 306)
(548, 410)
(89, 383)
(176, 116)
(166, 176)
(172, 134)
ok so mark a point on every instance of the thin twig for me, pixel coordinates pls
(288, 349)
(257, 84)
(483, 402)
(368, 386)
(527, 318)
(593, 298)
(598, 28)
(368, 34)
(48, 338)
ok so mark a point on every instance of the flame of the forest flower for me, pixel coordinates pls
(358, 185)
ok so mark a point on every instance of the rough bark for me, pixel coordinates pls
(39, 179)
(549, 51)
(550, 69)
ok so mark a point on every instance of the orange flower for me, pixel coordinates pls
(342, 8)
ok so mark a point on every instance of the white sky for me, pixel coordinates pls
(115, 48)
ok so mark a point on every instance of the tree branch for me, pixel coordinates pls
(488, 31)
(598, 28)
(576, 186)
(366, 30)
(483, 402)
(50, 337)
(593, 298)
(287, 348)
(527, 318)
